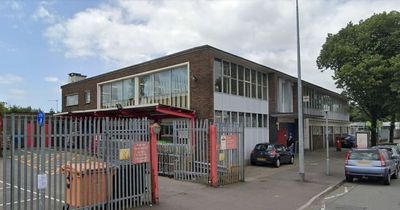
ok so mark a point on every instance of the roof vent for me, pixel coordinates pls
(75, 77)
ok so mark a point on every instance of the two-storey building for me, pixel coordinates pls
(208, 83)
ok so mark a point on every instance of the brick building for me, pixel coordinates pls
(208, 83)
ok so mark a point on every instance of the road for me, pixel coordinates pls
(362, 195)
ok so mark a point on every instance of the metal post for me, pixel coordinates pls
(327, 142)
(299, 100)
(154, 166)
(213, 157)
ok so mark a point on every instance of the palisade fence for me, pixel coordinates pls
(75, 163)
(191, 156)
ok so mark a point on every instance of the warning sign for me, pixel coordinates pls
(229, 142)
(124, 154)
(140, 153)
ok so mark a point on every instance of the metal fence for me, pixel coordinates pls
(230, 153)
(189, 156)
(75, 163)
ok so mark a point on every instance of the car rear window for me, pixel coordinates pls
(263, 147)
(364, 155)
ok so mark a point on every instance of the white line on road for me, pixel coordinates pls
(337, 195)
(29, 191)
(315, 197)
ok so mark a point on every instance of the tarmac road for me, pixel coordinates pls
(362, 195)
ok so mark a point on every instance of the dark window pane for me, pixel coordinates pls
(254, 120)
(234, 117)
(241, 119)
(259, 92)
(233, 70)
(260, 120)
(253, 77)
(241, 73)
(259, 78)
(233, 86)
(265, 82)
(265, 93)
(265, 123)
(247, 75)
(248, 120)
(227, 71)
(247, 89)
(241, 88)
(253, 90)
(226, 85)
(217, 75)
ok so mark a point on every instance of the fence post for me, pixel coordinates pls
(154, 166)
(213, 157)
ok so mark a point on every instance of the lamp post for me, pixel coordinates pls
(326, 109)
(154, 131)
(299, 100)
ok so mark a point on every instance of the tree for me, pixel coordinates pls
(365, 58)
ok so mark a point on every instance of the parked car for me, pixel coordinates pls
(392, 151)
(275, 154)
(370, 163)
(397, 146)
(349, 141)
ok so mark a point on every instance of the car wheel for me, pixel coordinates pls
(349, 179)
(252, 162)
(277, 163)
(396, 174)
(387, 180)
(291, 160)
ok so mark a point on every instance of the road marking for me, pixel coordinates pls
(315, 197)
(346, 190)
(29, 191)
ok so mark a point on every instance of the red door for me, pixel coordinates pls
(281, 137)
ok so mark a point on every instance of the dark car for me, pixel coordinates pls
(397, 146)
(349, 141)
(370, 163)
(272, 154)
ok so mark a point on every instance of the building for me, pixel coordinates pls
(208, 83)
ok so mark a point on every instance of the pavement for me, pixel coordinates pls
(265, 187)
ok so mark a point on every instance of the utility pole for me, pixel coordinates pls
(299, 101)
(327, 141)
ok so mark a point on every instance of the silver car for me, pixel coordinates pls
(369, 163)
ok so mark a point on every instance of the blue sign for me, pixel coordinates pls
(40, 118)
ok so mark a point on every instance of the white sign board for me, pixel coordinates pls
(306, 98)
(223, 143)
(362, 139)
(42, 181)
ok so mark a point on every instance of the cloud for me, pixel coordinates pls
(51, 79)
(43, 13)
(128, 32)
(16, 94)
(8, 79)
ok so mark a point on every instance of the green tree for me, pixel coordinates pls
(365, 58)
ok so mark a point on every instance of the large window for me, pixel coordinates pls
(169, 87)
(72, 100)
(234, 79)
(87, 96)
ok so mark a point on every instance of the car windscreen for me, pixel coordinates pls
(364, 155)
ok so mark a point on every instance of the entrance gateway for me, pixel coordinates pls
(105, 163)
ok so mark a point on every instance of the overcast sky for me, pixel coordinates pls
(41, 42)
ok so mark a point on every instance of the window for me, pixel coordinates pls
(241, 119)
(227, 75)
(116, 92)
(254, 121)
(128, 90)
(248, 120)
(265, 122)
(217, 75)
(162, 84)
(106, 95)
(260, 120)
(234, 117)
(72, 100)
(240, 80)
(253, 84)
(87, 96)
(233, 79)
(247, 82)
(259, 85)
(265, 86)
(218, 116)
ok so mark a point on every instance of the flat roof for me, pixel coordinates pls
(205, 47)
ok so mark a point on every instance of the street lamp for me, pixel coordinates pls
(326, 109)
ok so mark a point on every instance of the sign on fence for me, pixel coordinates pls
(140, 153)
(229, 142)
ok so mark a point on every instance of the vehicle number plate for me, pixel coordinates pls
(364, 163)
(261, 159)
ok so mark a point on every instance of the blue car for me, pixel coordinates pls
(370, 163)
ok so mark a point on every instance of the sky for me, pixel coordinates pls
(42, 41)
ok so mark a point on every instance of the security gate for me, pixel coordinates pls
(75, 163)
(199, 155)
